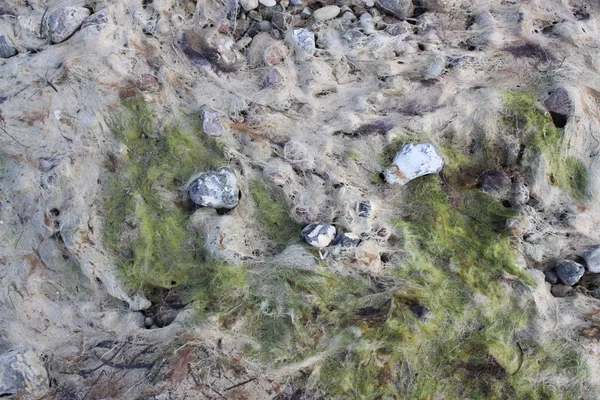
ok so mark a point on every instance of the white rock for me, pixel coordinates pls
(592, 259)
(216, 189)
(326, 13)
(412, 161)
(249, 4)
(319, 235)
(305, 43)
(267, 3)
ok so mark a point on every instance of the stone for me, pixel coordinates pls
(21, 371)
(281, 20)
(211, 123)
(363, 209)
(560, 106)
(495, 182)
(148, 83)
(275, 53)
(148, 322)
(551, 277)
(569, 272)
(419, 311)
(305, 43)
(592, 259)
(268, 3)
(560, 290)
(398, 8)
(63, 22)
(264, 26)
(272, 79)
(248, 5)
(326, 13)
(217, 189)
(319, 235)
(207, 48)
(165, 316)
(6, 48)
(296, 2)
(98, 18)
(305, 13)
(436, 68)
(413, 161)
(345, 240)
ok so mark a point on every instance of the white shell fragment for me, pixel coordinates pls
(319, 235)
(412, 161)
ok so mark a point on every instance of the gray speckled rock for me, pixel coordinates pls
(592, 259)
(319, 235)
(249, 4)
(216, 189)
(63, 22)
(96, 19)
(559, 102)
(569, 272)
(398, 8)
(6, 49)
(20, 371)
(412, 161)
(326, 13)
(211, 123)
(305, 43)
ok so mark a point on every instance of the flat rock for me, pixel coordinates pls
(6, 48)
(413, 161)
(569, 272)
(211, 123)
(21, 371)
(319, 235)
(592, 259)
(63, 22)
(216, 189)
(326, 13)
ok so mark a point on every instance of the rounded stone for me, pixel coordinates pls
(211, 123)
(326, 13)
(6, 48)
(319, 235)
(216, 189)
(268, 3)
(592, 259)
(569, 272)
(249, 4)
(63, 22)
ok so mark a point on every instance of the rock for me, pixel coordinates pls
(264, 26)
(21, 371)
(217, 189)
(275, 53)
(319, 235)
(306, 13)
(211, 123)
(569, 272)
(345, 240)
(363, 209)
(560, 290)
(281, 20)
(398, 8)
(248, 5)
(326, 13)
(6, 49)
(296, 2)
(304, 41)
(148, 322)
(551, 277)
(560, 106)
(206, 48)
(592, 259)
(268, 3)
(495, 182)
(165, 316)
(63, 22)
(413, 161)
(272, 79)
(436, 68)
(419, 311)
(98, 18)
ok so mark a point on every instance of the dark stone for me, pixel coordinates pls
(569, 272)
(6, 49)
(560, 107)
(165, 316)
(560, 290)
(496, 182)
(96, 19)
(63, 22)
(551, 276)
(419, 311)
(345, 241)
(364, 209)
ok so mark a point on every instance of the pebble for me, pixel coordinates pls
(560, 290)
(345, 240)
(592, 259)
(326, 13)
(148, 322)
(22, 373)
(272, 79)
(211, 123)
(305, 43)
(551, 277)
(436, 68)
(495, 182)
(217, 189)
(569, 272)
(363, 209)
(98, 18)
(398, 8)
(305, 13)
(296, 2)
(319, 235)
(413, 161)
(63, 22)
(264, 26)
(268, 3)
(248, 5)
(6, 49)
(559, 102)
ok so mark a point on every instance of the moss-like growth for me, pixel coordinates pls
(272, 212)
(145, 224)
(534, 127)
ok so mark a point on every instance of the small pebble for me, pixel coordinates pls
(264, 26)
(268, 3)
(305, 43)
(249, 4)
(569, 272)
(363, 209)
(413, 161)
(326, 13)
(551, 277)
(6, 49)
(211, 123)
(296, 2)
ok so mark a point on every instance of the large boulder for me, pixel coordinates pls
(569, 272)
(412, 161)
(20, 371)
(63, 22)
(217, 189)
